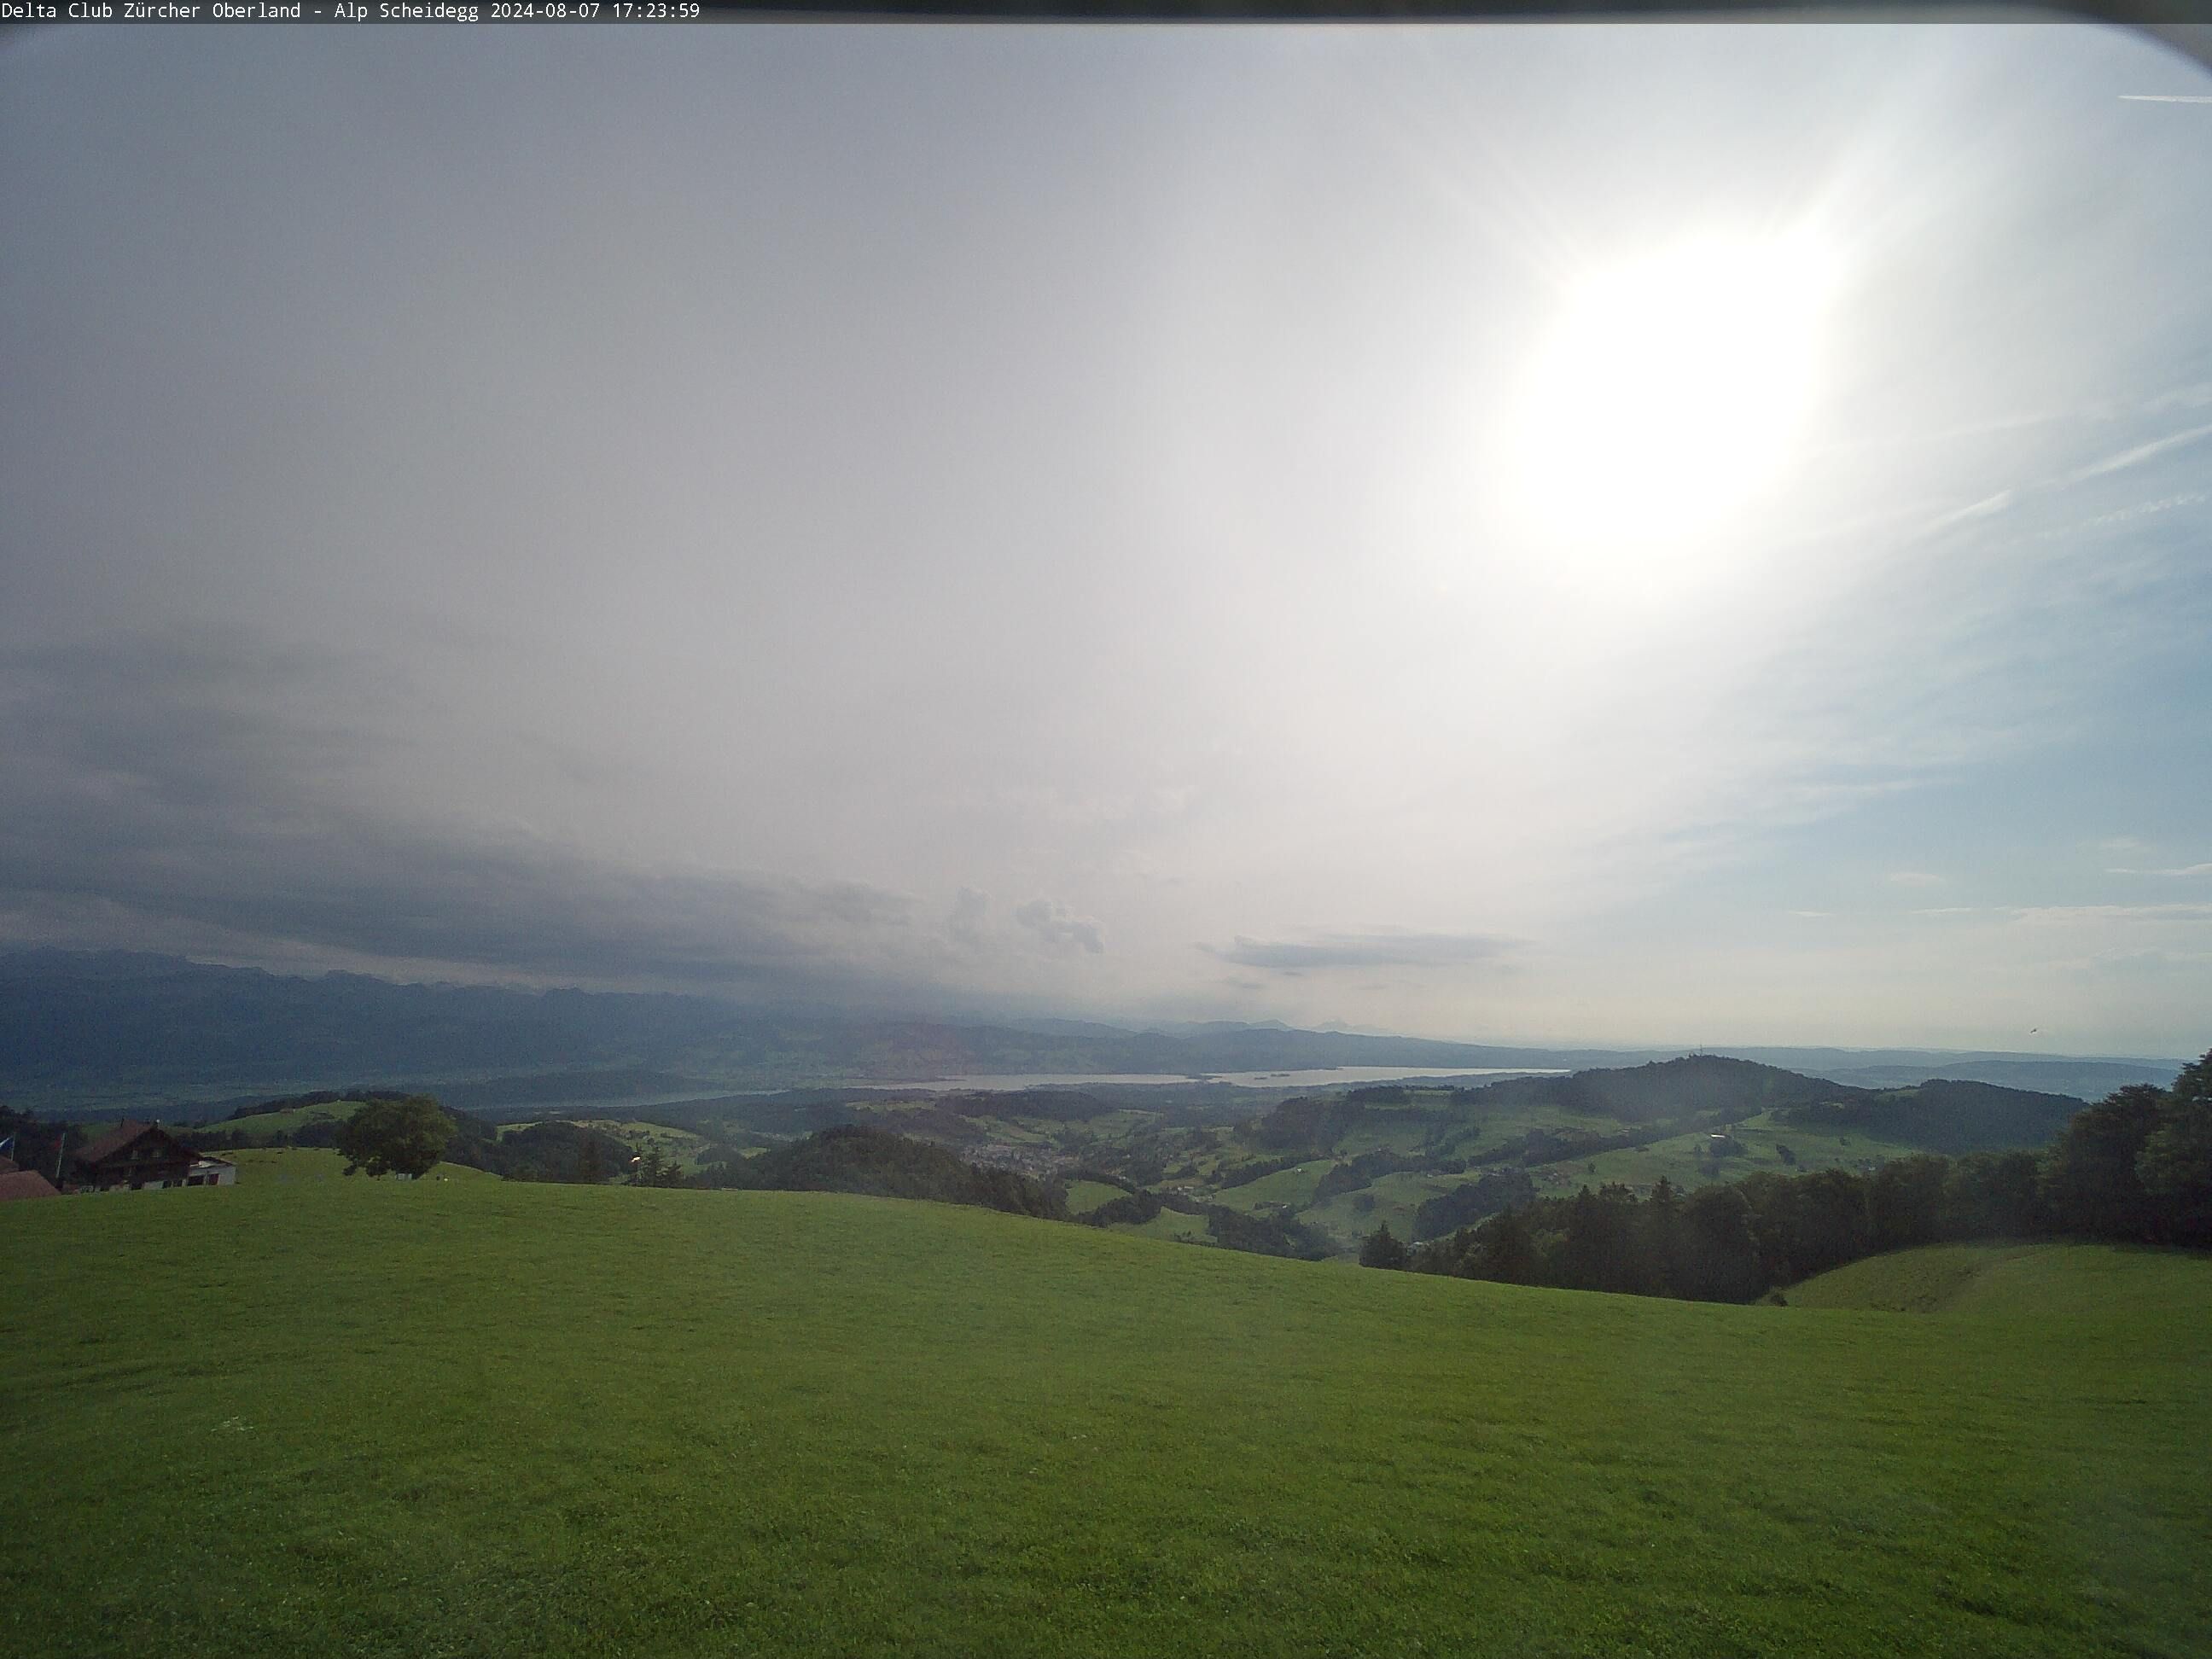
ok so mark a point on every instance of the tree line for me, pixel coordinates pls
(2136, 1167)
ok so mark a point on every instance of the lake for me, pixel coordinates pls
(1320, 1077)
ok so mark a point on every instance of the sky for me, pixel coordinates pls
(1586, 533)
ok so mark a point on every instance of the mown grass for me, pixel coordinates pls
(1391, 1201)
(2053, 1283)
(1085, 1196)
(682, 1147)
(1169, 1224)
(267, 1126)
(260, 1165)
(1682, 1159)
(1293, 1187)
(1905, 1281)
(487, 1418)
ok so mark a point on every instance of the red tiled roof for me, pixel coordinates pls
(26, 1183)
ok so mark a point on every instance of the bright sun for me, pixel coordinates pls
(1670, 393)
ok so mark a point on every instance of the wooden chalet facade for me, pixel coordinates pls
(141, 1156)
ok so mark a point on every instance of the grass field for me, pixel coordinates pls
(486, 1417)
(2049, 1281)
(1391, 1201)
(264, 1165)
(1172, 1224)
(267, 1126)
(1293, 1187)
(1681, 1158)
(1084, 1196)
(681, 1147)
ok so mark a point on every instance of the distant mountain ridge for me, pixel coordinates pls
(84, 1027)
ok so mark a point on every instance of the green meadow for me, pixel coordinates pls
(2055, 1283)
(261, 1165)
(682, 1147)
(268, 1126)
(1085, 1196)
(487, 1417)
(1682, 1159)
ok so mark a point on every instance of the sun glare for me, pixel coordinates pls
(1670, 393)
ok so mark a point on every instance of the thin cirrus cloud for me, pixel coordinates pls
(2179, 870)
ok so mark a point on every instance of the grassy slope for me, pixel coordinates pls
(260, 1165)
(1084, 1196)
(679, 1146)
(1170, 1224)
(1680, 1157)
(487, 1417)
(2052, 1281)
(267, 1126)
(1391, 1201)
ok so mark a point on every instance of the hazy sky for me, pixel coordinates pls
(1674, 535)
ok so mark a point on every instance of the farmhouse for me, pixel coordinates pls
(145, 1155)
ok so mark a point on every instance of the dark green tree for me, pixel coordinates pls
(2175, 1165)
(1905, 1201)
(1384, 1249)
(1599, 1250)
(1659, 1237)
(2090, 1177)
(1721, 1256)
(1812, 1223)
(396, 1137)
(1993, 1195)
(1504, 1251)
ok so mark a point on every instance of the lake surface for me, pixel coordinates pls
(1006, 1082)
(1320, 1077)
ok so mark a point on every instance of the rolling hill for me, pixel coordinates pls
(122, 1031)
(490, 1418)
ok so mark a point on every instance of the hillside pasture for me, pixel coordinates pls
(682, 1147)
(1172, 1225)
(269, 1126)
(1085, 1196)
(489, 1418)
(1294, 1187)
(267, 1165)
(1389, 1200)
(2047, 1281)
(1683, 1158)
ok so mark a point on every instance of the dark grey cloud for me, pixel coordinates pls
(193, 789)
(1061, 928)
(1375, 949)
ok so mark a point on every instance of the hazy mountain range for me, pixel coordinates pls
(86, 1029)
